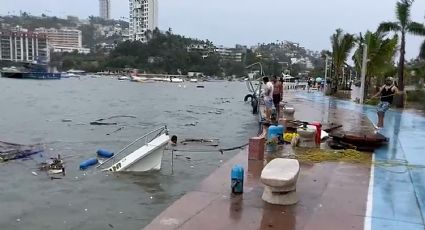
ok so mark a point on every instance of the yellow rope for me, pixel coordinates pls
(351, 156)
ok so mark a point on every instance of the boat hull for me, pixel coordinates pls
(32, 75)
(146, 158)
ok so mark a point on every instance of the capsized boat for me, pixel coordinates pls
(145, 158)
(358, 141)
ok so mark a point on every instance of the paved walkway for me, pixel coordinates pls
(332, 195)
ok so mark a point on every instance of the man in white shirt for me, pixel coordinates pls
(268, 97)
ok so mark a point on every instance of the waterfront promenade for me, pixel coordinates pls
(331, 195)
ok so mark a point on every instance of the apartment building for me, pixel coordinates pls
(143, 17)
(24, 47)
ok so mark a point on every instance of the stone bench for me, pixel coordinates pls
(280, 179)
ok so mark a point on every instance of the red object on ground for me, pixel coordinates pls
(256, 148)
(318, 131)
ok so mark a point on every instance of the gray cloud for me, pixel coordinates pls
(227, 22)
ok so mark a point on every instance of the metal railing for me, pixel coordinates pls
(145, 137)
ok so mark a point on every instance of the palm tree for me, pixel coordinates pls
(403, 25)
(342, 44)
(422, 52)
(380, 54)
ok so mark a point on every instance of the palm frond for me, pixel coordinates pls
(416, 28)
(403, 12)
(389, 26)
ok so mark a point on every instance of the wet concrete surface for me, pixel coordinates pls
(331, 195)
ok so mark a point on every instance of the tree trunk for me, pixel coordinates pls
(399, 102)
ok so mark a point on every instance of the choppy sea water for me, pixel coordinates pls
(35, 111)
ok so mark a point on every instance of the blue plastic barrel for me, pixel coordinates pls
(87, 163)
(104, 153)
(280, 130)
(273, 131)
(237, 178)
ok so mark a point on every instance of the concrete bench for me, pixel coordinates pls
(280, 179)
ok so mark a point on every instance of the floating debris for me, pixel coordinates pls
(192, 124)
(53, 166)
(11, 151)
(66, 120)
(117, 130)
(100, 121)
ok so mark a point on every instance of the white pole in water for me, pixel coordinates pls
(326, 74)
(363, 75)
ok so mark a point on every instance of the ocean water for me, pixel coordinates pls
(58, 113)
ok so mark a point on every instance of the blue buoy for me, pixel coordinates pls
(104, 153)
(280, 130)
(87, 163)
(237, 176)
(272, 132)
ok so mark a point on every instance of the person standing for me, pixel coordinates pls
(386, 94)
(268, 97)
(277, 93)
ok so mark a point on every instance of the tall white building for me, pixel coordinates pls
(105, 9)
(143, 17)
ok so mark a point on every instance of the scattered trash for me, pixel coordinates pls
(119, 129)
(55, 178)
(53, 166)
(34, 173)
(188, 158)
(192, 166)
(66, 120)
(151, 197)
(110, 225)
(102, 123)
(18, 220)
(85, 209)
(192, 124)
(11, 151)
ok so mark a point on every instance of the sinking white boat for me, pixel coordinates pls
(146, 158)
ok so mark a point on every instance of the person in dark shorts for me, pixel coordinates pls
(386, 93)
(277, 92)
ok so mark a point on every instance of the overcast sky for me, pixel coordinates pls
(247, 22)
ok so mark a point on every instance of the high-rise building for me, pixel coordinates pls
(24, 47)
(105, 9)
(64, 40)
(143, 17)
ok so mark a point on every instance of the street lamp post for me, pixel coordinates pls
(326, 74)
(363, 74)
(256, 63)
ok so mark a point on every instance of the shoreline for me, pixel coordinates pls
(337, 190)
